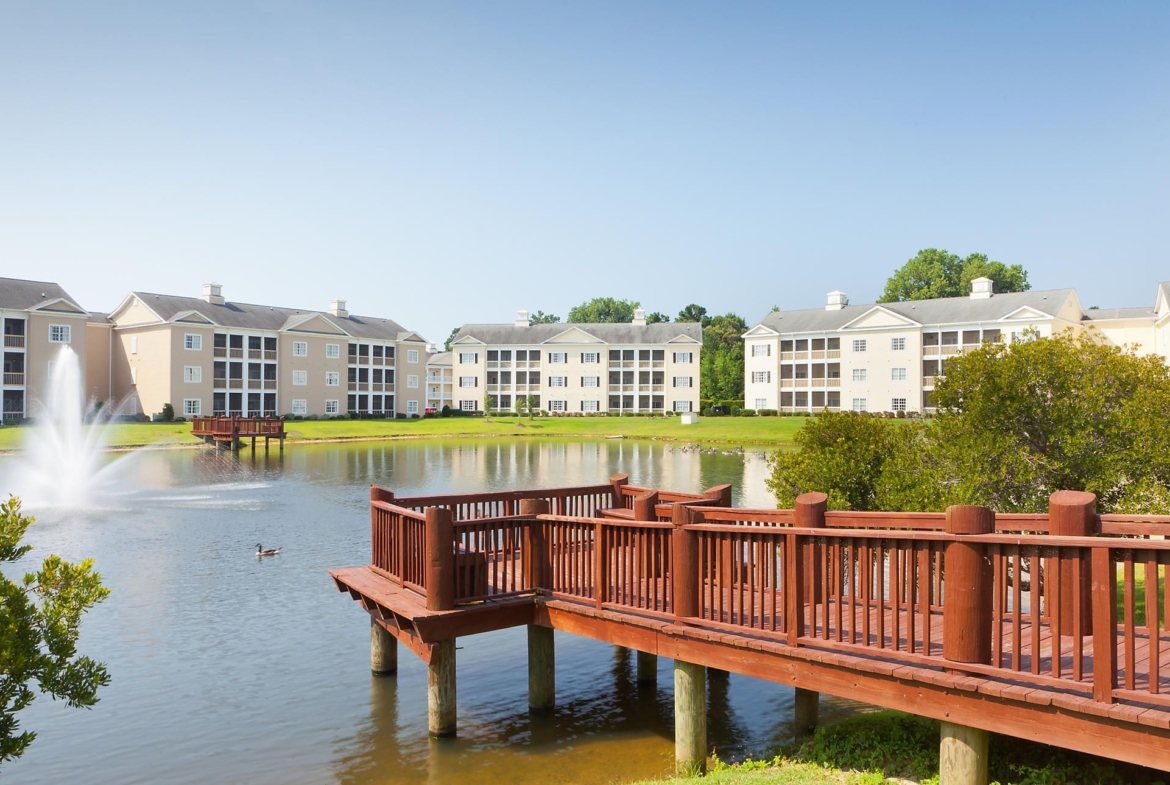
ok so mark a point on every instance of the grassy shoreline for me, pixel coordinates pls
(756, 431)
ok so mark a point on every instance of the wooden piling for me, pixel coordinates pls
(806, 711)
(962, 758)
(968, 585)
(383, 650)
(441, 689)
(542, 671)
(647, 668)
(690, 718)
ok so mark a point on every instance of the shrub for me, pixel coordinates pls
(168, 413)
(767, 412)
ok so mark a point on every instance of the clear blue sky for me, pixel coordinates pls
(442, 163)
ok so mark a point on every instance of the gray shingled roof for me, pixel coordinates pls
(19, 295)
(945, 310)
(616, 333)
(440, 358)
(246, 316)
(1100, 314)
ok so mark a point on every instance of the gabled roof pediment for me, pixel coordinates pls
(411, 336)
(574, 335)
(192, 317)
(877, 318)
(1024, 314)
(133, 311)
(467, 340)
(60, 305)
(760, 331)
(312, 323)
(684, 339)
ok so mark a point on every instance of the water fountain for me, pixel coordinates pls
(64, 462)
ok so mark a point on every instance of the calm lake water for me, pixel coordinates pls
(230, 669)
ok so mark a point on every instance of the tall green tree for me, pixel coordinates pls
(40, 619)
(540, 317)
(603, 309)
(693, 313)
(934, 273)
(721, 361)
(450, 339)
(657, 318)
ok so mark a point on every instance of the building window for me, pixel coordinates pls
(761, 403)
(469, 358)
(332, 351)
(468, 406)
(590, 381)
(300, 349)
(412, 407)
(859, 404)
(557, 357)
(133, 344)
(300, 378)
(897, 404)
(412, 380)
(193, 374)
(300, 406)
(590, 406)
(590, 357)
(682, 406)
(332, 378)
(557, 381)
(58, 333)
(412, 357)
(761, 350)
(332, 407)
(859, 374)
(897, 374)
(192, 407)
(761, 376)
(859, 344)
(192, 342)
(468, 381)
(558, 406)
(898, 344)
(682, 357)
(682, 381)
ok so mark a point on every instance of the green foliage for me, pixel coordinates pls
(721, 361)
(603, 309)
(39, 625)
(450, 338)
(530, 406)
(540, 317)
(657, 318)
(936, 273)
(489, 403)
(168, 412)
(841, 455)
(694, 313)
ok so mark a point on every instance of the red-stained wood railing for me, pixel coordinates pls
(237, 426)
(398, 537)
(584, 501)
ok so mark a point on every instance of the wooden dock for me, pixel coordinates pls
(232, 432)
(1036, 626)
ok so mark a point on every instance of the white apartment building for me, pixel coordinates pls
(205, 355)
(440, 382)
(885, 357)
(578, 368)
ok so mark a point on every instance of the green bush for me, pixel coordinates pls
(168, 413)
(767, 412)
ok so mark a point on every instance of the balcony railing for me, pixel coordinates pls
(235, 384)
(13, 341)
(14, 379)
(219, 351)
(833, 354)
(237, 353)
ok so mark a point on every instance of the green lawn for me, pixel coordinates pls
(727, 430)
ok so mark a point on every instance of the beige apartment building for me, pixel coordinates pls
(206, 355)
(578, 368)
(440, 381)
(886, 357)
(39, 319)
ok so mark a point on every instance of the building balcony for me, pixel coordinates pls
(255, 354)
(13, 341)
(235, 384)
(14, 379)
(820, 355)
(833, 354)
(621, 363)
(800, 355)
(657, 388)
(236, 353)
(800, 382)
(928, 381)
(786, 356)
(833, 382)
(219, 351)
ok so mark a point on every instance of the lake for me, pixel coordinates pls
(226, 668)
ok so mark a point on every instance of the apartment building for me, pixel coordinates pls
(440, 381)
(578, 368)
(39, 318)
(886, 357)
(206, 355)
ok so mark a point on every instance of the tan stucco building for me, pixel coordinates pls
(206, 355)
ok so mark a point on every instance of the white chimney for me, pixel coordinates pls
(837, 301)
(981, 288)
(337, 308)
(639, 316)
(522, 318)
(213, 293)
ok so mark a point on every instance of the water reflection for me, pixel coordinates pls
(230, 669)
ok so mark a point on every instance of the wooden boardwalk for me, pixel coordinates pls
(232, 431)
(993, 622)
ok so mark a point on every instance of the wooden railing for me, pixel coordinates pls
(584, 501)
(220, 426)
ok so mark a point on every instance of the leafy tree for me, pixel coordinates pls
(39, 626)
(936, 273)
(540, 317)
(721, 362)
(450, 339)
(530, 406)
(603, 309)
(657, 318)
(489, 403)
(693, 313)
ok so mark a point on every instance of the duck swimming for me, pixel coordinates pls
(262, 551)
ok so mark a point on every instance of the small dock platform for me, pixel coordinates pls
(232, 432)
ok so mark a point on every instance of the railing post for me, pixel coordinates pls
(600, 564)
(684, 563)
(968, 586)
(721, 493)
(537, 567)
(794, 582)
(377, 494)
(810, 514)
(644, 506)
(1073, 514)
(1104, 625)
(617, 481)
(440, 560)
